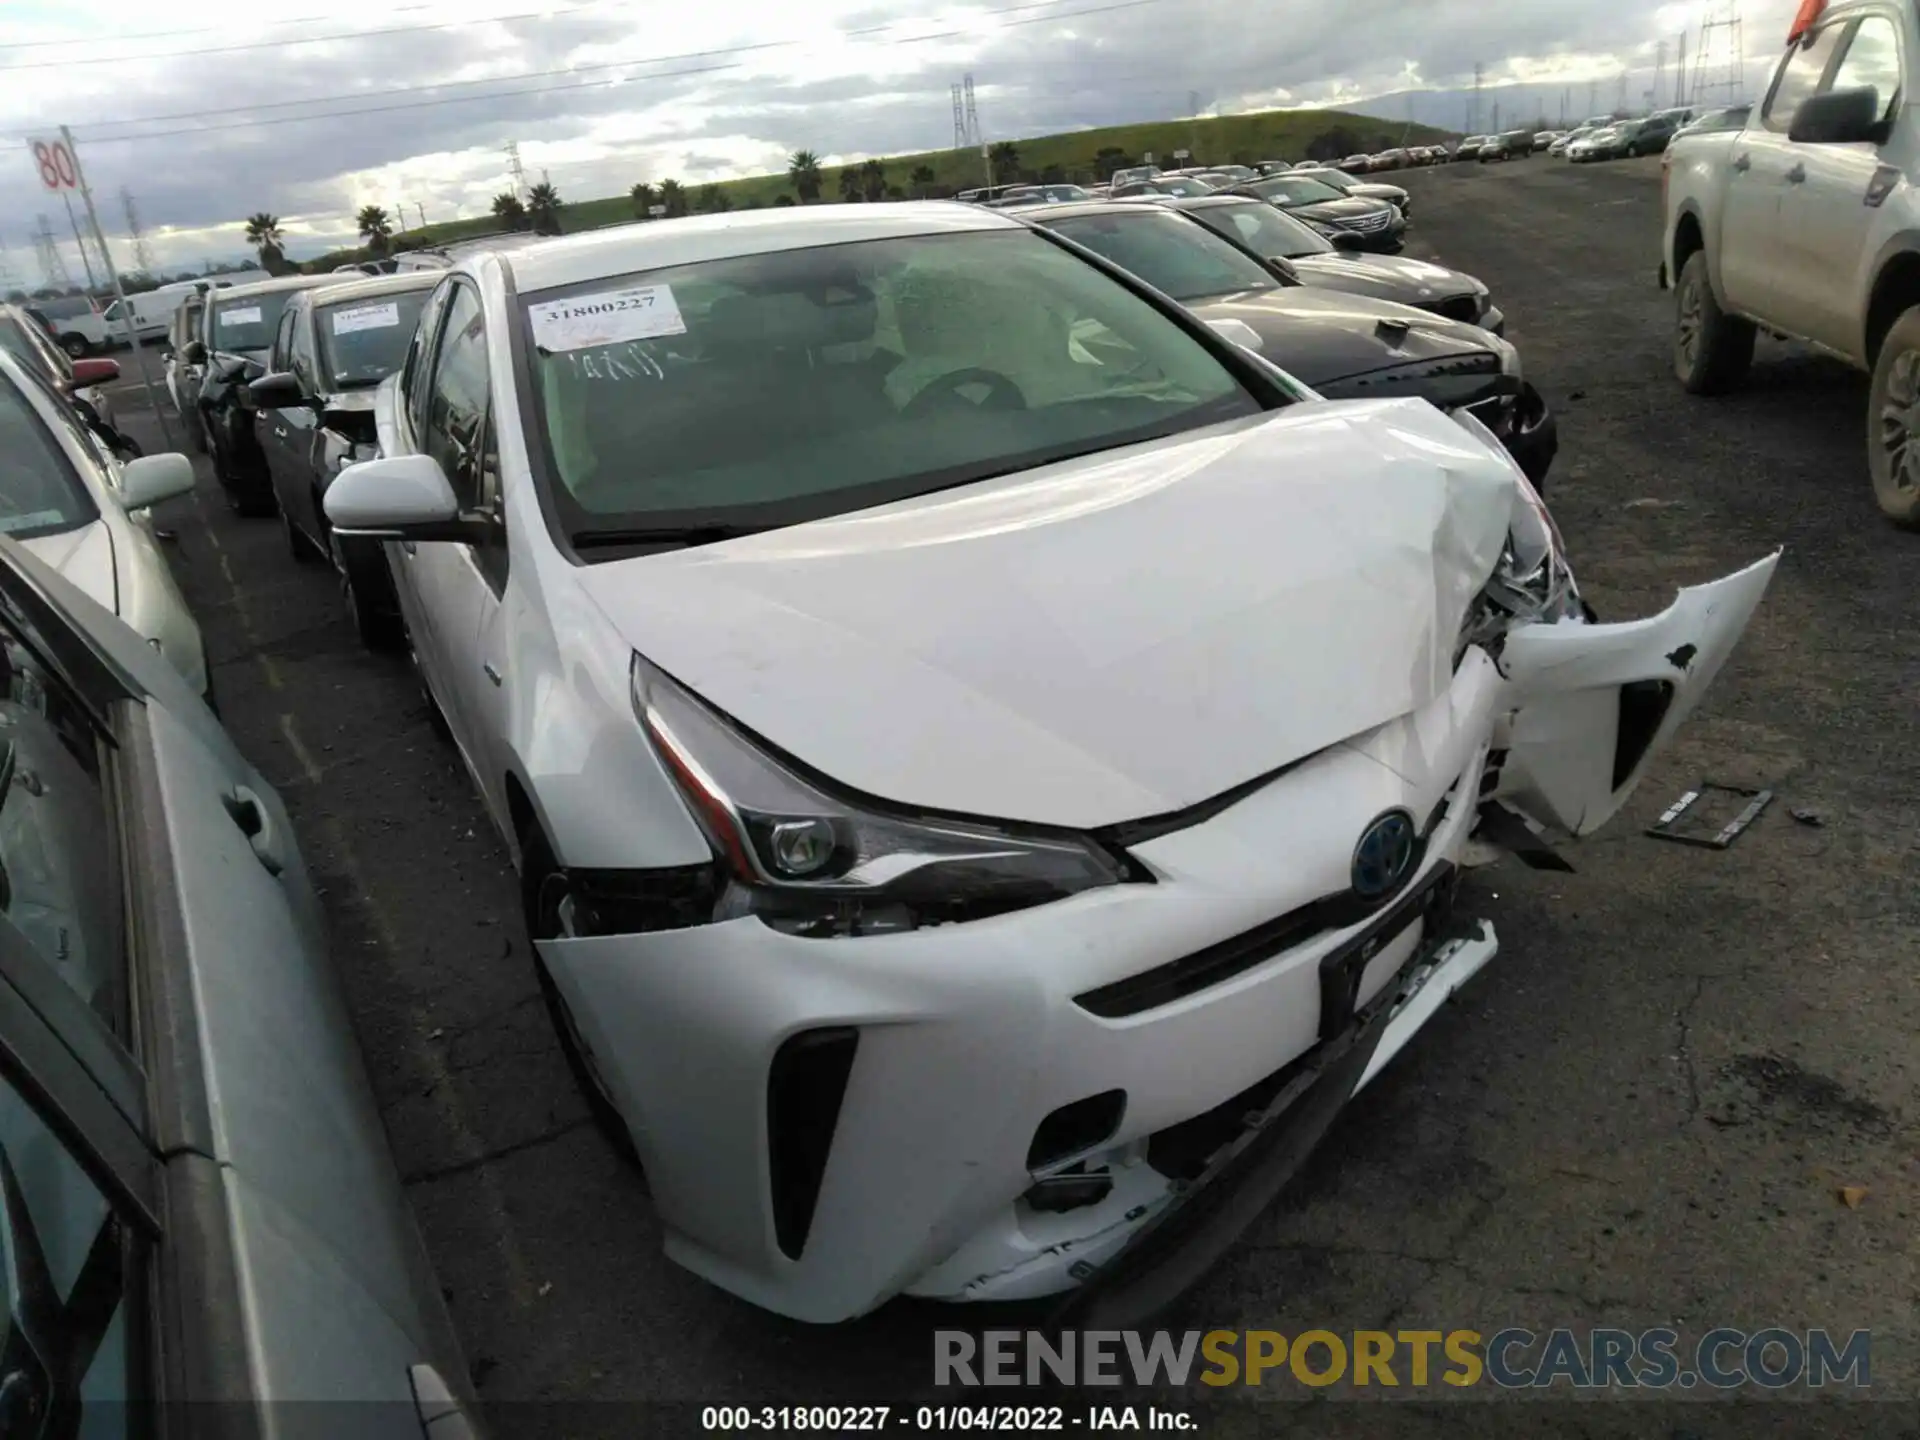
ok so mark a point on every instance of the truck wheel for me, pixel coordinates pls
(1711, 349)
(1893, 422)
(75, 345)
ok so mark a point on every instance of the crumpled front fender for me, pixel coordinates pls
(1593, 704)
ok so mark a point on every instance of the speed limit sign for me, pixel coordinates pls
(54, 160)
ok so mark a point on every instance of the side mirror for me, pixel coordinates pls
(1283, 267)
(153, 478)
(194, 352)
(278, 392)
(1839, 117)
(94, 372)
(399, 497)
(1346, 240)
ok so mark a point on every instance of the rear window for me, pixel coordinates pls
(66, 307)
(1171, 253)
(39, 493)
(247, 322)
(1295, 190)
(772, 389)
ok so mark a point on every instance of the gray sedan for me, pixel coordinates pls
(196, 1198)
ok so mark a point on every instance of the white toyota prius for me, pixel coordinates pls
(988, 758)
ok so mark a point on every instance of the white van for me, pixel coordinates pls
(75, 323)
(152, 312)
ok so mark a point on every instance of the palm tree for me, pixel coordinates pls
(922, 178)
(376, 227)
(873, 180)
(643, 200)
(673, 195)
(712, 200)
(803, 169)
(543, 205)
(263, 233)
(1006, 159)
(508, 210)
(850, 187)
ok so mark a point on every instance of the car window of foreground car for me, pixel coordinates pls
(772, 389)
(1169, 252)
(39, 493)
(363, 341)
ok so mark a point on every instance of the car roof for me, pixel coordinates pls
(1205, 202)
(370, 286)
(657, 245)
(1145, 205)
(270, 287)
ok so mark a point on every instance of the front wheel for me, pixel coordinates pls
(1893, 423)
(75, 346)
(1711, 349)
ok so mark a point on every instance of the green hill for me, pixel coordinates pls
(1078, 155)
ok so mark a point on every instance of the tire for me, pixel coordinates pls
(1711, 349)
(303, 550)
(543, 894)
(377, 629)
(76, 346)
(1893, 423)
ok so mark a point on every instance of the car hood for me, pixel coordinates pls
(1320, 336)
(1394, 277)
(1393, 194)
(84, 559)
(1104, 639)
(1331, 210)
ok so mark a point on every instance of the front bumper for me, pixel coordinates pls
(935, 1067)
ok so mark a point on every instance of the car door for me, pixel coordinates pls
(271, 425)
(301, 441)
(1829, 218)
(406, 438)
(448, 584)
(1756, 256)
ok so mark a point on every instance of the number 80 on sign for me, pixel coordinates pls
(54, 160)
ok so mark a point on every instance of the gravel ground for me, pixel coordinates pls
(1641, 1115)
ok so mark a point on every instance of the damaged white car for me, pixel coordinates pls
(984, 799)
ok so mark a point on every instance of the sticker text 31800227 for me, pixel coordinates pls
(607, 317)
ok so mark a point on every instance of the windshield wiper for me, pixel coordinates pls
(668, 535)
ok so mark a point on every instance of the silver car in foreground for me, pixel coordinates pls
(197, 1202)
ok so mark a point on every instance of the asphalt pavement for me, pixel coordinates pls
(1643, 1113)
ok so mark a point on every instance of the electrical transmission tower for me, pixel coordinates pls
(1621, 106)
(1680, 73)
(142, 257)
(518, 170)
(1720, 64)
(1659, 74)
(53, 268)
(1593, 95)
(974, 137)
(959, 117)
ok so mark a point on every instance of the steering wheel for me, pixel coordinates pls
(949, 391)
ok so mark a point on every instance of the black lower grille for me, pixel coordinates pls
(1465, 308)
(805, 1085)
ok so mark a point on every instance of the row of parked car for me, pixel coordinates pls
(974, 717)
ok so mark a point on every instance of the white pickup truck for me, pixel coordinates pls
(1806, 224)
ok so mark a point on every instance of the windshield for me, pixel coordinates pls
(27, 343)
(1265, 230)
(1182, 185)
(1291, 189)
(247, 322)
(1337, 179)
(39, 493)
(1169, 252)
(363, 341)
(771, 389)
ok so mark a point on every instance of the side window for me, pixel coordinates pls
(1872, 57)
(282, 354)
(413, 378)
(301, 338)
(66, 1354)
(457, 396)
(1800, 76)
(491, 558)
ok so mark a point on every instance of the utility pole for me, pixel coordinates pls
(974, 137)
(142, 257)
(1620, 108)
(422, 212)
(1593, 95)
(517, 169)
(1193, 127)
(85, 259)
(53, 265)
(1659, 74)
(1496, 117)
(119, 294)
(1479, 79)
(1680, 73)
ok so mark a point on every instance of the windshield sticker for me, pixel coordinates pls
(30, 521)
(609, 317)
(247, 315)
(367, 317)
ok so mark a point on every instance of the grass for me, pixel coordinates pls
(1228, 139)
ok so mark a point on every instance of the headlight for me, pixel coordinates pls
(809, 862)
(1509, 356)
(1531, 581)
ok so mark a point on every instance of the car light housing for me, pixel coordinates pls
(1532, 581)
(813, 862)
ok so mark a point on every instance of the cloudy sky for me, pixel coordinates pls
(207, 113)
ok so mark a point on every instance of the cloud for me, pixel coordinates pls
(601, 95)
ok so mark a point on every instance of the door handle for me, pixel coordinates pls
(251, 816)
(281, 434)
(1797, 175)
(492, 674)
(1743, 164)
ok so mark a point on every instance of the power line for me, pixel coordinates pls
(198, 30)
(1109, 8)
